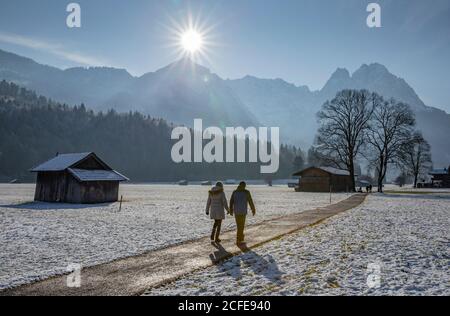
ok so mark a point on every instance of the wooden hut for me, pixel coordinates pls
(324, 179)
(81, 178)
(440, 178)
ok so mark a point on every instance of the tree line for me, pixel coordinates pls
(358, 124)
(33, 129)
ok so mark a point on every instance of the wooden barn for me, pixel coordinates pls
(324, 179)
(77, 178)
(440, 178)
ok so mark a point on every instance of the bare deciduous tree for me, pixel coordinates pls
(390, 129)
(416, 156)
(344, 124)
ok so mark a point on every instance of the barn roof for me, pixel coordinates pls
(329, 170)
(70, 161)
(61, 162)
(97, 175)
(335, 171)
(437, 172)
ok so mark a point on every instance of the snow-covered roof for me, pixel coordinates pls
(439, 172)
(69, 162)
(97, 175)
(335, 171)
(61, 162)
(329, 170)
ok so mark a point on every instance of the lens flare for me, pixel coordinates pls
(191, 41)
(193, 38)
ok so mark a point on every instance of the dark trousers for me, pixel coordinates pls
(216, 229)
(240, 223)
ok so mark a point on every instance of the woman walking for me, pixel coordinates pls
(215, 207)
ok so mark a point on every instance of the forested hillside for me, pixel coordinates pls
(34, 128)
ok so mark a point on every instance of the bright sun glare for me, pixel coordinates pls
(191, 41)
(191, 38)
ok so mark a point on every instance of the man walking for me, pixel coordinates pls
(240, 200)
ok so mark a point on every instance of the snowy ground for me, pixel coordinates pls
(390, 245)
(410, 189)
(38, 240)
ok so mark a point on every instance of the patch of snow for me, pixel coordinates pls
(39, 240)
(390, 245)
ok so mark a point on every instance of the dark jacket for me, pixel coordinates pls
(240, 200)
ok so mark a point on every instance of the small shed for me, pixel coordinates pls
(441, 178)
(324, 179)
(81, 178)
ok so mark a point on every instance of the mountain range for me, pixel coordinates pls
(183, 91)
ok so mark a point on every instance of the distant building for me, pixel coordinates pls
(440, 178)
(363, 183)
(77, 178)
(324, 179)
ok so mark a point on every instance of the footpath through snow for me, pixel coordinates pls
(390, 245)
(135, 275)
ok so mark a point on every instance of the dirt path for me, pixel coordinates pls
(133, 276)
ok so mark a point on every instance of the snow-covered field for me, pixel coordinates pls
(38, 240)
(410, 189)
(390, 245)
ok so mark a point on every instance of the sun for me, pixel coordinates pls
(192, 38)
(191, 41)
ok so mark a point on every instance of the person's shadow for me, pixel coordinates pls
(265, 266)
(220, 254)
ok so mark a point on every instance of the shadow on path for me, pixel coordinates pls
(265, 266)
(218, 256)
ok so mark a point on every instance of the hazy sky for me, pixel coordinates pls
(300, 41)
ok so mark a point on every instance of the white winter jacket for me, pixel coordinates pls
(217, 203)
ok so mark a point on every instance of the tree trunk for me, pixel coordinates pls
(380, 181)
(380, 175)
(416, 170)
(385, 167)
(352, 175)
(380, 186)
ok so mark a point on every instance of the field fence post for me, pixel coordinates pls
(330, 193)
